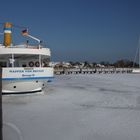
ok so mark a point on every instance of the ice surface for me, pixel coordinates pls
(77, 107)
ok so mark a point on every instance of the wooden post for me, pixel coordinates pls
(1, 137)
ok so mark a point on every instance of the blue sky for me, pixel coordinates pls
(79, 30)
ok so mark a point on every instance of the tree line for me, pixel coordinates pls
(122, 63)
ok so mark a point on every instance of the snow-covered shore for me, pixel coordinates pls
(77, 107)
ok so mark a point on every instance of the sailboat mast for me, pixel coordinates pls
(139, 53)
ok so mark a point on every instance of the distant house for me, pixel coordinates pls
(100, 66)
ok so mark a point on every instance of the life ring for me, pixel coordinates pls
(31, 63)
(37, 64)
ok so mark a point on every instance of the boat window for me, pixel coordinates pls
(24, 65)
(10, 65)
(3, 64)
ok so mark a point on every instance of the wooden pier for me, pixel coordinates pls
(92, 71)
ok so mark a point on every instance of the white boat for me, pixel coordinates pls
(24, 67)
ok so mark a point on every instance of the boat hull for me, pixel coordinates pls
(22, 86)
(25, 80)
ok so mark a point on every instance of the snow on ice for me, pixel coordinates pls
(76, 107)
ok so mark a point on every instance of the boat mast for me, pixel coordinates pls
(139, 52)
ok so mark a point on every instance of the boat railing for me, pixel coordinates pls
(28, 46)
(25, 46)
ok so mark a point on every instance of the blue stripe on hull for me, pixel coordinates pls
(27, 78)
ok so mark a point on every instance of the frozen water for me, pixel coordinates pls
(77, 107)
